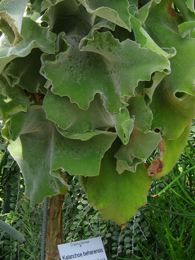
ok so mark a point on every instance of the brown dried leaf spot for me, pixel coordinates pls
(155, 167)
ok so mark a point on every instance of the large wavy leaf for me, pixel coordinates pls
(117, 67)
(69, 117)
(117, 197)
(82, 124)
(39, 150)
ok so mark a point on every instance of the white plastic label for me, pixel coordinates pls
(90, 249)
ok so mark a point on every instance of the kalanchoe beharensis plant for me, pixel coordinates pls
(104, 90)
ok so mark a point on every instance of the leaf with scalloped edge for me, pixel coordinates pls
(80, 124)
(39, 150)
(71, 119)
(113, 10)
(117, 68)
(34, 36)
(140, 147)
(142, 141)
(117, 197)
(11, 15)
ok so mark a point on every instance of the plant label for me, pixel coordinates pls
(89, 249)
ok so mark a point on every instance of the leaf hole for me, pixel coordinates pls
(180, 95)
(157, 130)
(44, 24)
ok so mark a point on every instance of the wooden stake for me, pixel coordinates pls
(54, 235)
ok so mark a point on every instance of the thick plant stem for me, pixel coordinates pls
(54, 227)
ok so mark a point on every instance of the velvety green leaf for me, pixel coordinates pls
(85, 136)
(112, 10)
(117, 197)
(75, 123)
(125, 52)
(40, 150)
(69, 117)
(140, 147)
(124, 125)
(141, 113)
(34, 36)
(30, 153)
(118, 67)
(24, 72)
(171, 114)
(11, 15)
